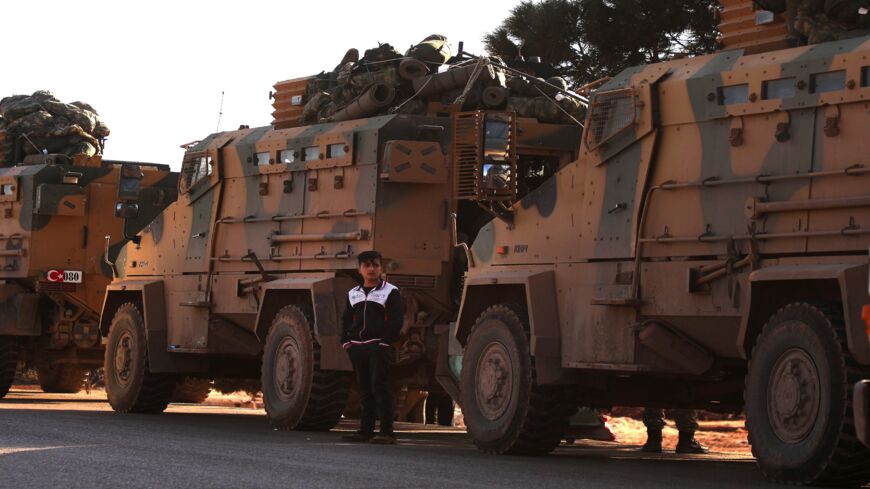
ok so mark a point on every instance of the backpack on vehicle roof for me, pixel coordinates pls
(435, 49)
(384, 52)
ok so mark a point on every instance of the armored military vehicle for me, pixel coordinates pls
(64, 220)
(253, 262)
(707, 250)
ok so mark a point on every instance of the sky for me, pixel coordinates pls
(155, 70)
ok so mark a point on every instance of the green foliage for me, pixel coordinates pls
(589, 39)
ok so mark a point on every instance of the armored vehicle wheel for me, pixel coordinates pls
(297, 394)
(130, 387)
(191, 390)
(9, 350)
(798, 400)
(61, 379)
(504, 410)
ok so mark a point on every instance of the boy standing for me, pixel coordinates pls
(372, 319)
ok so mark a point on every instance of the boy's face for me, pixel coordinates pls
(370, 270)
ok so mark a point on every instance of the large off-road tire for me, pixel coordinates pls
(799, 400)
(191, 390)
(130, 387)
(9, 351)
(504, 409)
(61, 378)
(297, 394)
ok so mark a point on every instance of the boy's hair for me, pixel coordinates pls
(369, 257)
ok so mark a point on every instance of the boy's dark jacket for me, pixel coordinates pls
(373, 318)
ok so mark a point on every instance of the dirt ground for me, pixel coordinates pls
(723, 436)
(726, 436)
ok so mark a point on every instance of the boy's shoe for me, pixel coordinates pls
(688, 444)
(357, 438)
(383, 440)
(653, 442)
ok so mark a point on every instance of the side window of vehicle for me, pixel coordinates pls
(828, 82)
(195, 167)
(734, 94)
(610, 113)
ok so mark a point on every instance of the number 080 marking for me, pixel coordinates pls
(65, 276)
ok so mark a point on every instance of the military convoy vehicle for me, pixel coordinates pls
(707, 250)
(64, 220)
(252, 263)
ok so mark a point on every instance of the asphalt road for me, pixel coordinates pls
(76, 441)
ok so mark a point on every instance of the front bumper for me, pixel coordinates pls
(862, 411)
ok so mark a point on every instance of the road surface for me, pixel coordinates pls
(53, 440)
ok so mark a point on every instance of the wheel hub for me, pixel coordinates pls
(124, 358)
(494, 381)
(286, 371)
(793, 396)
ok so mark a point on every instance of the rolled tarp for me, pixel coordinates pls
(412, 69)
(451, 79)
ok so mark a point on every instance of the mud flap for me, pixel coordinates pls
(19, 315)
(862, 411)
(449, 351)
(160, 359)
(327, 296)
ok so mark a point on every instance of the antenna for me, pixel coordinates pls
(220, 113)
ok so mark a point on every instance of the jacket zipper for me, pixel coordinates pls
(365, 306)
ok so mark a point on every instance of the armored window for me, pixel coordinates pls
(734, 94)
(336, 150)
(865, 76)
(194, 168)
(778, 89)
(262, 158)
(311, 153)
(828, 82)
(610, 113)
(287, 156)
(204, 169)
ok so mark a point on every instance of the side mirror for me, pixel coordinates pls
(129, 188)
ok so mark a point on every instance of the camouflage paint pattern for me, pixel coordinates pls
(305, 201)
(675, 189)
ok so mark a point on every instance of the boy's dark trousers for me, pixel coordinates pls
(371, 366)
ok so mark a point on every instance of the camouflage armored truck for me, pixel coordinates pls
(253, 262)
(707, 250)
(64, 220)
(251, 266)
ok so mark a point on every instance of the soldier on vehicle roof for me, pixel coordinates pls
(372, 319)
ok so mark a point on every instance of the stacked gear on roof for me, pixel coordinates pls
(40, 123)
(815, 21)
(427, 78)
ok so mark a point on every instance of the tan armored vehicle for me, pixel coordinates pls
(64, 220)
(707, 250)
(252, 264)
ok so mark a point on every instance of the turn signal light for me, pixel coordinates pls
(865, 315)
